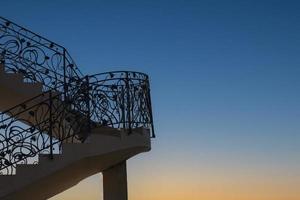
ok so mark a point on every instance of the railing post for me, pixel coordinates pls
(150, 108)
(123, 107)
(128, 103)
(88, 103)
(51, 125)
(65, 75)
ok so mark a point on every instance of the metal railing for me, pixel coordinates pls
(37, 57)
(71, 104)
(38, 126)
(121, 99)
(41, 124)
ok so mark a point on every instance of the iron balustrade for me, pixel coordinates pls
(71, 104)
(21, 47)
(38, 126)
(121, 99)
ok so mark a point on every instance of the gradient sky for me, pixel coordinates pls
(225, 81)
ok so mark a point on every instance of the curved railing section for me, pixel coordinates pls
(121, 99)
(35, 56)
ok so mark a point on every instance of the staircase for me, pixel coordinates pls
(58, 126)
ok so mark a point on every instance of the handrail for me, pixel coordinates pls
(8, 22)
(28, 46)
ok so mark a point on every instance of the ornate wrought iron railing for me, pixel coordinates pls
(121, 99)
(37, 57)
(70, 105)
(38, 126)
(41, 124)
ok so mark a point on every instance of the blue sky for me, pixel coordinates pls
(225, 74)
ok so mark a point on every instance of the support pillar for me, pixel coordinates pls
(115, 182)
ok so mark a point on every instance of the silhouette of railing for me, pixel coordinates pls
(38, 126)
(36, 57)
(41, 124)
(71, 104)
(121, 99)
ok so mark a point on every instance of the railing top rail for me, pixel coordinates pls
(111, 76)
(119, 72)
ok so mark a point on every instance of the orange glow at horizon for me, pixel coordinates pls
(197, 184)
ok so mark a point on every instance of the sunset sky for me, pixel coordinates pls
(225, 79)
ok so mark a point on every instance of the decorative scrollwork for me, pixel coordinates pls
(34, 128)
(121, 99)
(39, 59)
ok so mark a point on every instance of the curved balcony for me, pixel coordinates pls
(37, 58)
(121, 99)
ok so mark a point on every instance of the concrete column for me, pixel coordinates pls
(115, 182)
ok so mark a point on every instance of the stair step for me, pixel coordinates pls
(74, 148)
(23, 168)
(1, 68)
(33, 89)
(107, 131)
(12, 78)
(8, 179)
